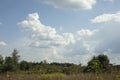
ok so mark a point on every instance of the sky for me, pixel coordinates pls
(60, 30)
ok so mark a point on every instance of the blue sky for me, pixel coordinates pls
(60, 30)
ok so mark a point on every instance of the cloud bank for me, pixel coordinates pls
(59, 46)
(111, 31)
(109, 35)
(74, 47)
(73, 4)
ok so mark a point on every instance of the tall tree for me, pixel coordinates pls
(1, 60)
(104, 61)
(1, 63)
(15, 56)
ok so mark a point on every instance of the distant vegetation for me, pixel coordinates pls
(98, 68)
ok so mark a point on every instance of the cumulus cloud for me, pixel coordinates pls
(2, 43)
(72, 4)
(74, 47)
(85, 33)
(44, 35)
(60, 45)
(107, 17)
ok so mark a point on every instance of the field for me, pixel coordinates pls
(59, 76)
(98, 68)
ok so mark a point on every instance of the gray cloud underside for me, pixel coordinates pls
(72, 4)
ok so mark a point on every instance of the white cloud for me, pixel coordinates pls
(44, 36)
(60, 45)
(68, 47)
(69, 38)
(72, 4)
(107, 18)
(108, 35)
(2, 43)
(85, 33)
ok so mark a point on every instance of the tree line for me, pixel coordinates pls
(98, 64)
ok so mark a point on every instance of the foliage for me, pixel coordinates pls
(15, 57)
(104, 62)
(98, 64)
(1, 60)
(1, 63)
(24, 65)
(9, 65)
(94, 66)
(118, 76)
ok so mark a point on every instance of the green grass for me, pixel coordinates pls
(59, 76)
(52, 76)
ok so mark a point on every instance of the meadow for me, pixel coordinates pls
(98, 68)
(59, 76)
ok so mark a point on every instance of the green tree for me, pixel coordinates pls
(1, 60)
(8, 66)
(98, 64)
(1, 63)
(15, 56)
(104, 60)
(24, 65)
(94, 66)
(11, 62)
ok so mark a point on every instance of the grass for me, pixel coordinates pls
(52, 76)
(59, 76)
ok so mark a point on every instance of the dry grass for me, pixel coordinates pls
(19, 77)
(92, 77)
(13, 76)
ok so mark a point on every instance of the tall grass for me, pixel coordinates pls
(59, 76)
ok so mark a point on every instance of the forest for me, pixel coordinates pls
(98, 68)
